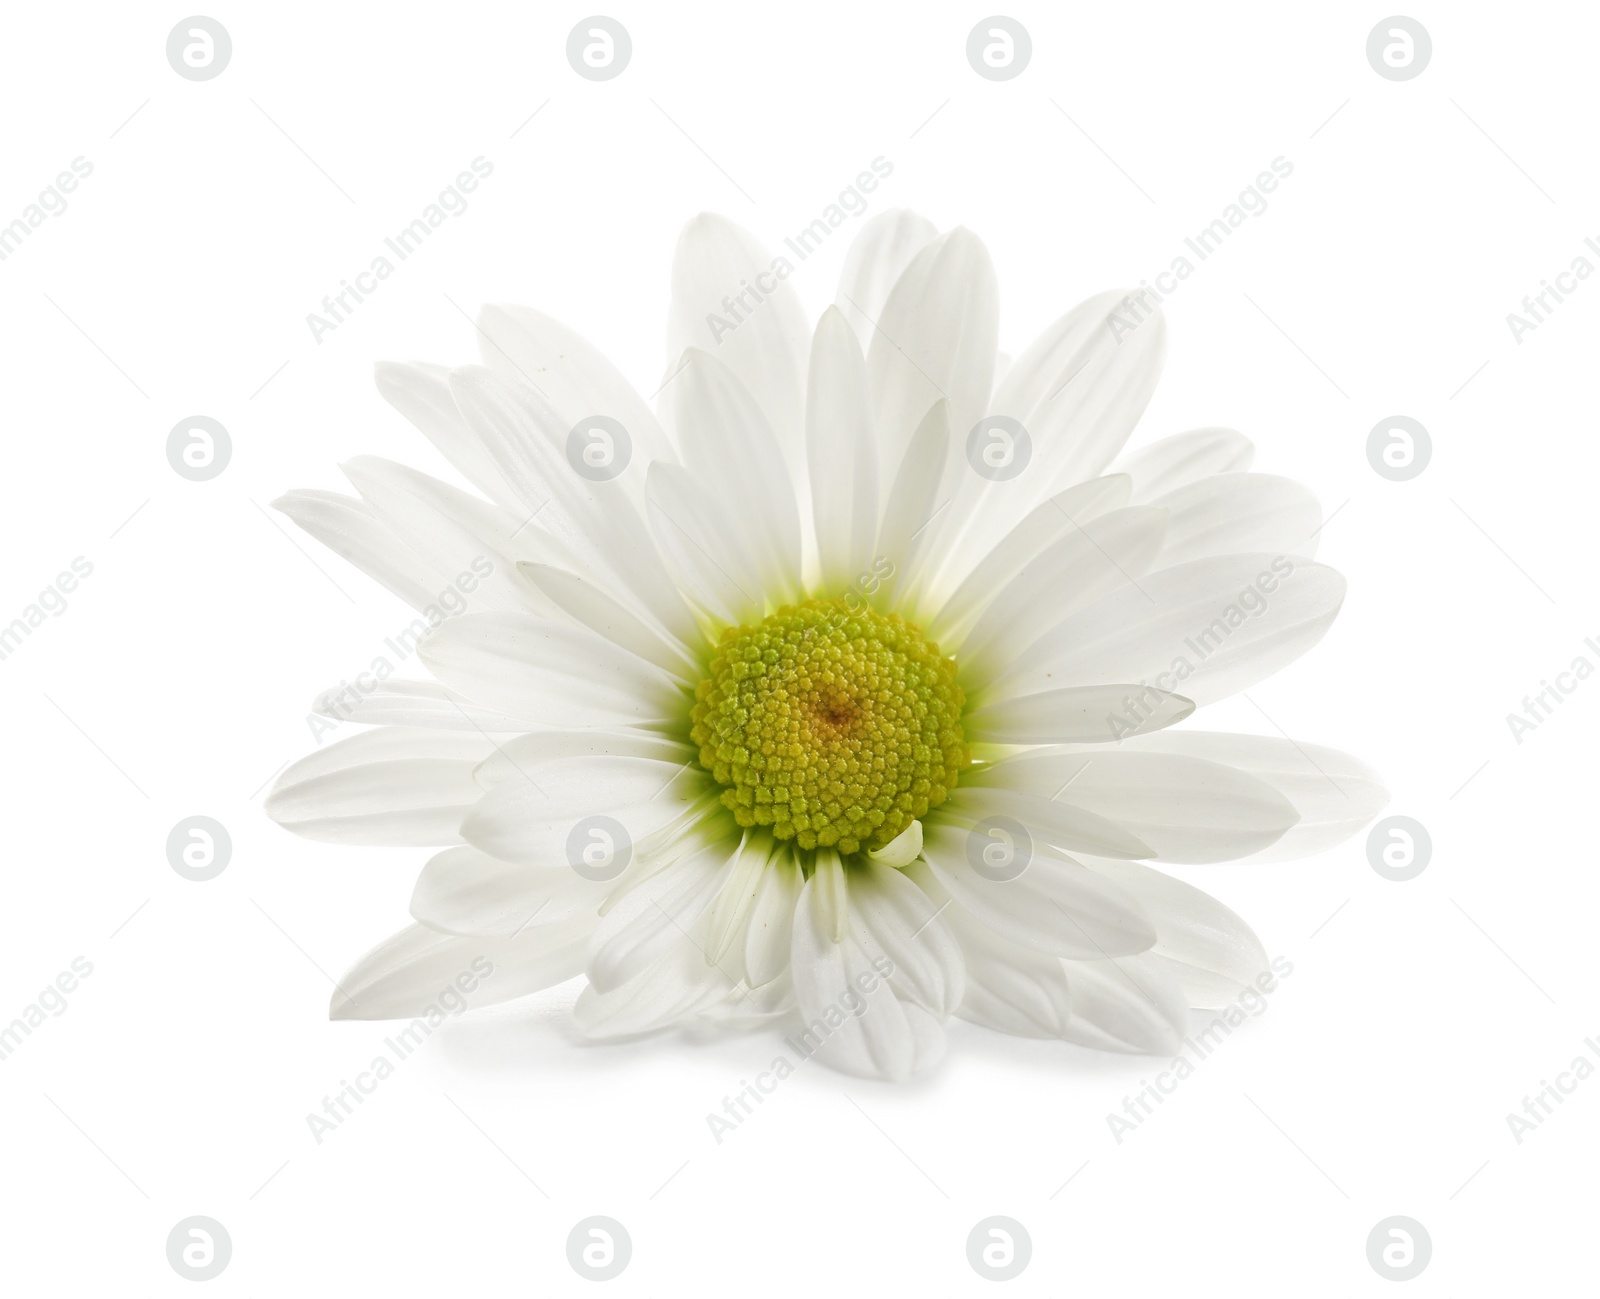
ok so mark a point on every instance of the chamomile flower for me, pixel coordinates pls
(837, 692)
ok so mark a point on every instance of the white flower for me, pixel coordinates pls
(829, 692)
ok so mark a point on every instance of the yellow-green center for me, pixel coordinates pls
(830, 725)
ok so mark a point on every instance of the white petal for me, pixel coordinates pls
(1131, 1004)
(679, 986)
(877, 257)
(909, 516)
(1211, 952)
(1187, 809)
(452, 531)
(1078, 391)
(1335, 794)
(563, 675)
(1081, 386)
(1173, 462)
(1089, 561)
(1010, 989)
(596, 521)
(771, 922)
(1064, 512)
(1231, 514)
(889, 913)
(1054, 905)
(841, 453)
(729, 447)
(1206, 629)
(902, 850)
(586, 603)
(935, 339)
(1054, 822)
(348, 528)
(573, 376)
(643, 928)
(424, 704)
(702, 545)
(467, 892)
(563, 806)
(513, 758)
(855, 1018)
(422, 394)
(717, 272)
(392, 786)
(1076, 715)
(421, 972)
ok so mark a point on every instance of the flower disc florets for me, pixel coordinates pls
(833, 726)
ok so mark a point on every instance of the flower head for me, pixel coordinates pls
(838, 693)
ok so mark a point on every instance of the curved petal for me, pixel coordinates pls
(1205, 629)
(563, 675)
(1132, 1004)
(514, 758)
(1335, 794)
(587, 604)
(1088, 562)
(654, 917)
(856, 1018)
(1076, 715)
(573, 375)
(889, 913)
(910, 516)
(595, 520)
(425, 704)
(451, 531)
(1187, 809)
(467, 892)
(564, 807)
(702, 545)
(729, 448)
(1172, 462)
(679, 986)
(841, 454)
(935, 339)
(1054, 905)
(348, 527)
(1230, 514)
(1064, 512)
(423, 973)
(1010, 989)
(1211, 952)
(1057, 823)
(392, 786)
(878, 256)
(422, 394)
(729, 299)
(1078, 391)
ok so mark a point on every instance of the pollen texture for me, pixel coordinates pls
(830, 725)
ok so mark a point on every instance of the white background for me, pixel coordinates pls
(178, 679)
